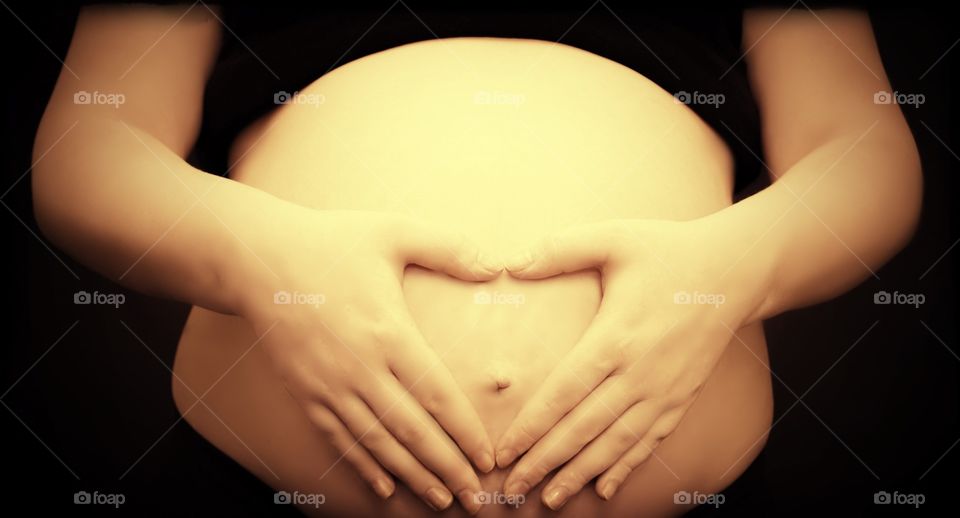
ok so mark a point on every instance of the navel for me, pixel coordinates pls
(500, 376)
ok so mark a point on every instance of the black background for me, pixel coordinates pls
(77, 415)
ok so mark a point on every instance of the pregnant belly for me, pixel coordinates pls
(507, 140)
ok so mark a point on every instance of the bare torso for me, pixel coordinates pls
(506, 140)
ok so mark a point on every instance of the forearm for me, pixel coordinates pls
(830, 220)
(123, 204)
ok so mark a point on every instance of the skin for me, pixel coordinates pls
(647, 157)
(138, 149)
(645, 358)
(648, 364)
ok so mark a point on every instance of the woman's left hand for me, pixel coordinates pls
(673, 295)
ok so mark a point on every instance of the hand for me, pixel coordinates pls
(669, 308)
(327, 302)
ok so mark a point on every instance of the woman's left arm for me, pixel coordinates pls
(845, 197)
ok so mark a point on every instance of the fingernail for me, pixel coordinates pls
(468, 498)
(438, 498)
(488, 264)
(609, 489)
(519, 262)
(383, 488)
(505, 457)
(518, 488)
(556, 497)
(485, 462)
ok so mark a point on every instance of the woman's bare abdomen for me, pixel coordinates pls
(507, 140)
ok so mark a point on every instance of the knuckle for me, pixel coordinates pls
(538, 470)
(672, 399)
(433, 401)
(585, 429)
(322, 423)
(524, 434)
(388, 330)
(619, 347)
(662, 429)
(531, 471)
(574, 478)
(552, 402)
(410, 434)
(621, 469)
(624, 438)
(641, 456)
(376, 440)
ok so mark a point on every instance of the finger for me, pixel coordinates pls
(577, 374)
(375, 437)
(600, 454)
(423, 374)
(443, 249)
(417, 431)
(340, 438)
(611, 480)
(580, 426)
(568, 250)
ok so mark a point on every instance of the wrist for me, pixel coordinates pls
(253, 257)
(746, 255)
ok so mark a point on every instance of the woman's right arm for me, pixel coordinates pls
(111, 187)
(110, 184)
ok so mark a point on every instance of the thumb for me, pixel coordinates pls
(568, 250)
(443, 249)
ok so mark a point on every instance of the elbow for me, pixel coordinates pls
(45, 203)
(910, 195)
(900, 158)
(52, 149)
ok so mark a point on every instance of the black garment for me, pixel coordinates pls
(693, 52)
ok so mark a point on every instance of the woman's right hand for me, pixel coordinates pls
(324, 295)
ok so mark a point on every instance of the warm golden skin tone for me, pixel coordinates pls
(505, 175)
(130, 191)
